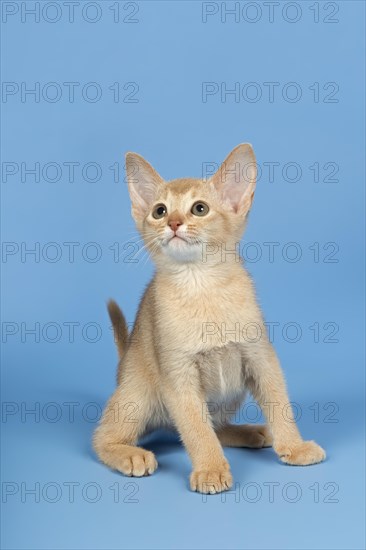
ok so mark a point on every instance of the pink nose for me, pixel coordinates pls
(174, 224)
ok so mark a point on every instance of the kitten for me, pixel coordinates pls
(199, 341)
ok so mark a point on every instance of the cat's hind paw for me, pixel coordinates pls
(304, 453)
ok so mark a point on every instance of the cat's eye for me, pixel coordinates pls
(200, 209)
(159, 211)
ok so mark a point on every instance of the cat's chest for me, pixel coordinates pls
(200, 319)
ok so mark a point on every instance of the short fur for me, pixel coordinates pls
(199, 340)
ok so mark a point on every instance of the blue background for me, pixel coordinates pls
(169, 53)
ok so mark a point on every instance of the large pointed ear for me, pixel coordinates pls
(235, 180)
(143, 183)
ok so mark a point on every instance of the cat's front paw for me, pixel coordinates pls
(301, 454)
(137, 462)
(211, 481)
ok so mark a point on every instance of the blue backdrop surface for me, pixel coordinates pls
(181, 83)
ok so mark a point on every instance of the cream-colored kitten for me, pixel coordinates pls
(199, 340)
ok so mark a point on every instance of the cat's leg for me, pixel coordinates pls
(123, 422)
(185, 401)
(268, 387)
(253, 436)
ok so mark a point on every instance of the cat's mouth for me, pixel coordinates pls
(182, 248)
(179, 242)
(179, 237)
(176, 239)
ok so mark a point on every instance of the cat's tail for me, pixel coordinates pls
(120, 329)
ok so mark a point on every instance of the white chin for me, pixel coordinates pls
(181, 251)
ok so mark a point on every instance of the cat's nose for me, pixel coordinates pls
(174, 224)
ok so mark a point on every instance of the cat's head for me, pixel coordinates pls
(188, 220)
